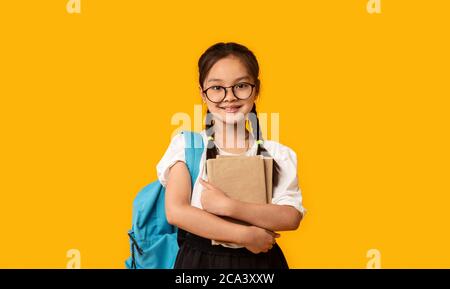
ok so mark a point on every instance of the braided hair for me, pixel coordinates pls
(205, 63)
(212, 151)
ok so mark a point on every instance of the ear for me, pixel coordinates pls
(256, 93)
(202, 95)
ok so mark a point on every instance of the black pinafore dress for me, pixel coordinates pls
(198, 253)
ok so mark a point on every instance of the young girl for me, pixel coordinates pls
(229, 85)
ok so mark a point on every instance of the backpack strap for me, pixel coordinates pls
(193, 153)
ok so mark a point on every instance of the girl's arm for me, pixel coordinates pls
(269, 216)
(179, 212)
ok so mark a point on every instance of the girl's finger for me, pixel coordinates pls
(205, 183)
(275, 235)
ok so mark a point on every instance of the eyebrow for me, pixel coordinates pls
(237, 79)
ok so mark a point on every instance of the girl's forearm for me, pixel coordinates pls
(207, 225)
(268, 216)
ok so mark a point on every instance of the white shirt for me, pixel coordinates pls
(286, 192)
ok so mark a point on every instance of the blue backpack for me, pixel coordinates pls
(154, 242)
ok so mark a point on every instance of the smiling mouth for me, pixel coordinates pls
(231, 109)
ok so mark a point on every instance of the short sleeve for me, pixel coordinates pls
(287, 191)
(174, 153)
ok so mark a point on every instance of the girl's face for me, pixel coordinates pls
(227, 72)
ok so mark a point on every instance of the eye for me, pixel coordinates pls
(242, 85)
(216, 87)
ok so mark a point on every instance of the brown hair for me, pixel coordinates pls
(207, 60)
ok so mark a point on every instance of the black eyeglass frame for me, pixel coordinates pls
(232, 89)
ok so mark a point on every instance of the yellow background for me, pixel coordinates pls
(86, 103)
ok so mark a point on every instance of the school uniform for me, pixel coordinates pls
(198, 252)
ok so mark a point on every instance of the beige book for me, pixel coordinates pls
(245, 178)
(241, 178)
(268, 168)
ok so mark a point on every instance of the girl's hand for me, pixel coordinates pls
(259, 240)
(214, 200)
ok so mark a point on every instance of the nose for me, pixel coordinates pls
(229, 94)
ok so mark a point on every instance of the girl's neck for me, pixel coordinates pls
(231, 136)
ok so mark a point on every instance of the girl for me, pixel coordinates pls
(229, 85)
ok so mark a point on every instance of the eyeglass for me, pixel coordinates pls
(217, 93)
